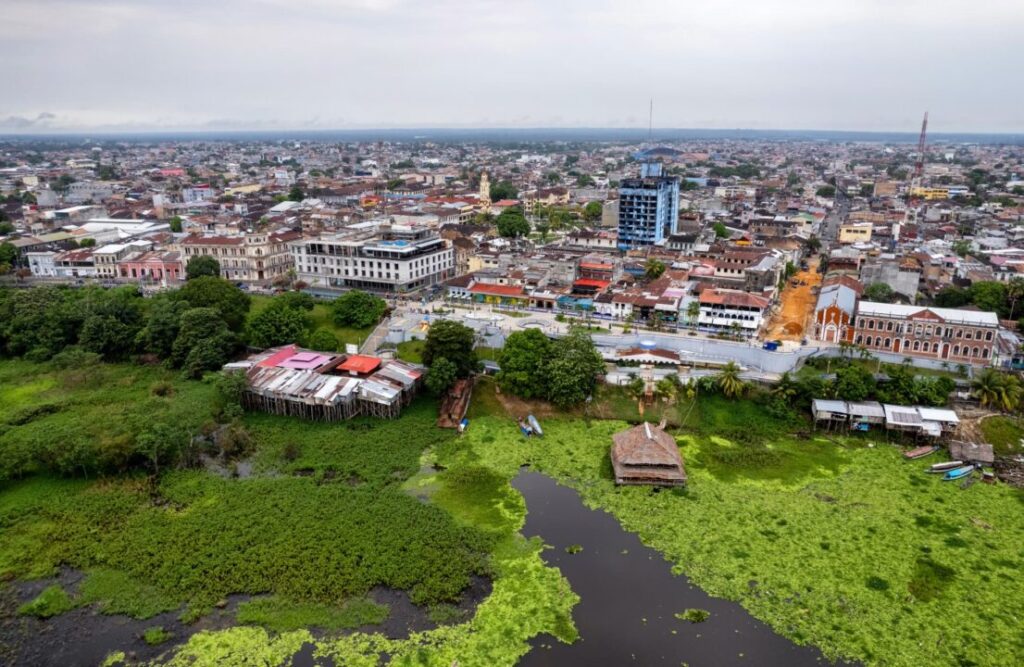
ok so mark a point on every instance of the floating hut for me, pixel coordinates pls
(645, 454)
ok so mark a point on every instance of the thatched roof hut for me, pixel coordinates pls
(645, 454)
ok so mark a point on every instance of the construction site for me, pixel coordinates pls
(796, 306)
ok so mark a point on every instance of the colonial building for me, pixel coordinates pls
(732, 309)
(255, 258)
(836, 309)
(946, 334)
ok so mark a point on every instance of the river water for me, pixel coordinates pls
(629, 597)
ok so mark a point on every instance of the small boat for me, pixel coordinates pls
(463, 424)
(535, 425)
(943, 467)
(958, 473)
(920, 452)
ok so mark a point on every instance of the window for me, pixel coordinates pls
(917, 345)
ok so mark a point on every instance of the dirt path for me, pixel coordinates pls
(797, 305)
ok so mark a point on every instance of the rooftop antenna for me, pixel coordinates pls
(650, 122)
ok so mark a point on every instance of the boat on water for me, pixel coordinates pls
(944, 466)
(535, 425)
(958, 473)
(920, 452)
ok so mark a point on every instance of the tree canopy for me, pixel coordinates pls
(212, 292)
(278, 324)
(523, 363)
(592, 211)
(358, 309)
(511, 223)
(573, 369)
(454, 342)
(880, 292)
(202, 265)
(503, 190)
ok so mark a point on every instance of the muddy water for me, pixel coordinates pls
(629, 596)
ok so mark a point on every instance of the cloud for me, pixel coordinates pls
(42, 120)
(239, 64)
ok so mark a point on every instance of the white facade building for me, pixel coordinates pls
(388, 258)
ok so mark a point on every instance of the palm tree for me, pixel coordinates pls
(1014, 291)
(728, 380)
(693, 313)
(666, 389)
(786, 388)
(995, 389)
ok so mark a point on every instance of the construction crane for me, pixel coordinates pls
(919, 165)
(915, 180)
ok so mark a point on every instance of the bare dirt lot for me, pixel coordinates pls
(797, 306)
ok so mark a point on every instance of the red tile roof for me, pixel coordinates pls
(498, 290)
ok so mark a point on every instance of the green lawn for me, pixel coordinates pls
(832, 542)
(321, 316)
(1004, 434)
(411, 351)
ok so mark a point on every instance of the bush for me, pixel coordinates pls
(53, 601)
(156, 635)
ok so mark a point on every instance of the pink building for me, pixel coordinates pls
(154, 266)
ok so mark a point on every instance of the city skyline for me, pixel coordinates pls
(116, 66)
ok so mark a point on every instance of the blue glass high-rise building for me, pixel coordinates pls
(648, 207)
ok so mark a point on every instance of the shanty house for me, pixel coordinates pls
(645, 454)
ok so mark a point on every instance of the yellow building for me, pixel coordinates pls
(855, 232)
(930, 193)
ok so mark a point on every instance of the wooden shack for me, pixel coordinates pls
(980, 453)
(645, 454)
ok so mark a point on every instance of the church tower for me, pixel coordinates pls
(485, 193)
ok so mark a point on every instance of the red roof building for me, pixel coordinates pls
(359, 364)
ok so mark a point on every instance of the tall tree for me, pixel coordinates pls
(358, 309)
(523, 362)
(573, 370)
(454, 342)
(202, 265)
(511, 223)
(278, 324)
(212, 292)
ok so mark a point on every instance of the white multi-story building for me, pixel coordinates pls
(732, 309)
(383, 258)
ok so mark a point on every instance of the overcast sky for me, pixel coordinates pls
(325, 64)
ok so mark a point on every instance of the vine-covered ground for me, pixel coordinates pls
(835, 542)
(331, 512)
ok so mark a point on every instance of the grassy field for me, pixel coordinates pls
(1004, 434)
(84, 420)
(411, 351)
(837, 543)
(321, 316)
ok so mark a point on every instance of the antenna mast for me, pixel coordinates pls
(650, 122)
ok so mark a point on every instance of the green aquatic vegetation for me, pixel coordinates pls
(209, 537)
(282, 615)
(243, 645)
(156, 635)
(574, 549)
(365, 449)
(53, 601)
(117, 593)
(829, 534)
(694, 615)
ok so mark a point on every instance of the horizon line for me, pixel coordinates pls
(640, 132)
